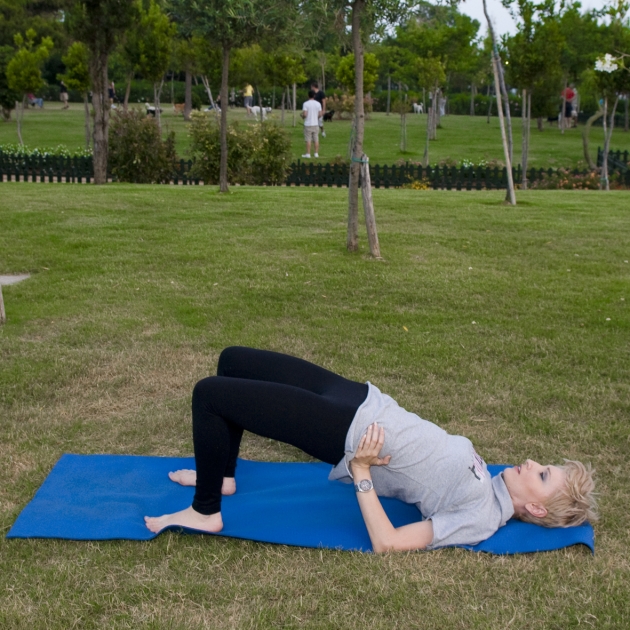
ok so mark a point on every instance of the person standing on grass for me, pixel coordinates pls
(320, 97)
(63, 95)
(248, 97)
(372, 442)
(312, 114)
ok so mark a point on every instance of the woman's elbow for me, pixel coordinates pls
(394, 545)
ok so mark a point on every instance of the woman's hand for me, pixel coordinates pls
(369, 448)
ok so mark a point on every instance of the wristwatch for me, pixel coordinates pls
(365, 485)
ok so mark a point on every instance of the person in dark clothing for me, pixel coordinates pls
(343, 423)
(320, 97)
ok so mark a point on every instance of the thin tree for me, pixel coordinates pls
(499, 84)
(155, 34)
(100, 24)
(613, 79)
(231, 24)
(77, 77)
(431, 74)
(363, 16)
(24, 71)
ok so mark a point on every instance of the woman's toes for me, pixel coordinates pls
(184, 477)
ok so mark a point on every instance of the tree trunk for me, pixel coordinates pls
(626, 118)
(389, 92)
(511, 196)
(425, 157)
(506, 104)
(100, 102)
(403, 130)
(607, 137)
(352, 242)
(88, 131)
(206, 85)
(433, 118)
(3, 315)
(437, 116)
(585, 134)
(438, 111)
(157, 91)
(294, 101)
(368, 207)
(489, 105)
(322, 62)
(187, 94)
(18, 116)
(127, 91)
(524, 147)
(500, 89)
(473, 93)
(223, 170)
(284, 94)
(424, 100)
(260, 106)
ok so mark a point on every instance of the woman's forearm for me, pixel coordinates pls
(383, 535)
(380, 528)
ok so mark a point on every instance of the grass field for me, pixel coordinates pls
(510, 326)
(461, 137)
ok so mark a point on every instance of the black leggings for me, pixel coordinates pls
(273, 395)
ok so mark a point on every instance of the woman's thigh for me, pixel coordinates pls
(315, 424)
(275, 367)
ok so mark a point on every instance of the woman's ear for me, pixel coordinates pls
(536, 509)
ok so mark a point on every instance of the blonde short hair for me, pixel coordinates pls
(575, 503)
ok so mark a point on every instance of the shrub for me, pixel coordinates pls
(564, 179)
(137, 153)
(61, 150)
(418, 184)
(344, 105)
(257, 154)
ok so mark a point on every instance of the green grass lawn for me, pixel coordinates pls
(461, 137)
(507, 325)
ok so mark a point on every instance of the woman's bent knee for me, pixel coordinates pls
(203, 388)
(228, 357)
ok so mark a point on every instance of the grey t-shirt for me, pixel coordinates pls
(440, 473)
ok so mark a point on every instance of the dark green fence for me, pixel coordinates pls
(54, 168)
(617, 160)
(45, 168)
(80, 170)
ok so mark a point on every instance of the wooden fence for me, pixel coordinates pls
(79, 170)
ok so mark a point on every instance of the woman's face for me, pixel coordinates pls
(531, 483)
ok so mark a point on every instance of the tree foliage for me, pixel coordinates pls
(77, 74)
(346, 75)
(24, 71)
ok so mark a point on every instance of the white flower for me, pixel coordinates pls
(606, 64)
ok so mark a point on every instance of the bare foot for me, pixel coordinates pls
(184, 477)
(187, 477)
(186, 518)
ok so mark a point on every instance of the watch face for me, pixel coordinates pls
(365, 485)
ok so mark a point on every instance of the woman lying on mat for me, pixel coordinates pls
(372, 441)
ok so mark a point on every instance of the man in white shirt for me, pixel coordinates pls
(311, 112)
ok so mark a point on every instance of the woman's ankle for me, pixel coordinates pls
(229, 486)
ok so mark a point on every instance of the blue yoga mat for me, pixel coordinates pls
(105, 497)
